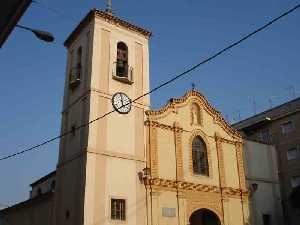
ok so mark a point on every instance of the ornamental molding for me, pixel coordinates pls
(241, 168)
(178, 150)
(220, 162)
(155, 124)
(239, 158)
(160, 183)
(181, 185)
(235, 193)
(153, 152)
(193, 97)
(232, 142)
(94, 13)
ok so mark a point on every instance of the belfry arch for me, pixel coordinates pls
(204, 216)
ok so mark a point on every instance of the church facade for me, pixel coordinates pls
(196, 165)
(181, 164)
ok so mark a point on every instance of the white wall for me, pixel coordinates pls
(261, 168)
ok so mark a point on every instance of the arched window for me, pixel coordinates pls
(78, 62)
(76, 68)
(199, 154)
(122, 60)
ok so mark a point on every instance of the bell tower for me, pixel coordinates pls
(98, 166)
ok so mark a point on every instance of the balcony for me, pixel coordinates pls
(123, 72)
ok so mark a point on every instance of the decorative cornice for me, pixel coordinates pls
(189, 186)
(233, 192)
(221, 162)
(182, 185)
(155, 124)
(240, 164)
(95, 13)
(201, 100)
(118, 21)
(232, 142)
(178, 150)
(153, 152)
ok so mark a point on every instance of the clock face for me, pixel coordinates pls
(121, 103)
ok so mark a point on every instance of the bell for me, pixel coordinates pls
(120, 63)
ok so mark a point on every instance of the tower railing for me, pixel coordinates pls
(123, 73)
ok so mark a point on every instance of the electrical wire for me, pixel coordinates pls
(35, 147)
(58, 13)
(208, 59)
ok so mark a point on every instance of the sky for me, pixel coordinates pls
(238, 84)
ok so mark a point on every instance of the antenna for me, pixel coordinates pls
(292, 91)
(270, 102)
(236, 116)
(254, 106)
(109, 7)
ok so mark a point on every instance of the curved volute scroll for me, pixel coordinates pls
(202, 102)
(179, 152)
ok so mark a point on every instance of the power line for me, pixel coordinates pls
(35, 147)
(163, 84)
(222, 51)
(58, 13)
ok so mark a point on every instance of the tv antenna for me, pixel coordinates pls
(109, 7)
(292, 91)
(254, 106)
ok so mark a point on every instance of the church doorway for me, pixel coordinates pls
(204, 217)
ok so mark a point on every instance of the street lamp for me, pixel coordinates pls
(40, 34)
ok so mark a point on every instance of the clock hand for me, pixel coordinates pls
(122, 98)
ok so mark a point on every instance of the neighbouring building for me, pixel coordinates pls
(181, 164)
(262, 179)
(281, 127)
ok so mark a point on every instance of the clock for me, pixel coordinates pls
(121, 103)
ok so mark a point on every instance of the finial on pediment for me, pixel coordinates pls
(193, 86)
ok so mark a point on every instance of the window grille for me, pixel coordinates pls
(265, 135)
(118, 209)
(295, 181)
(293, 153)
(287, 127)
(122, 60)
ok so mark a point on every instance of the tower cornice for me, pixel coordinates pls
(95, 13)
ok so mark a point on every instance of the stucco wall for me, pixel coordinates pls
(105, 157)
(116, 145)
(175, 185)
(261, 169)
